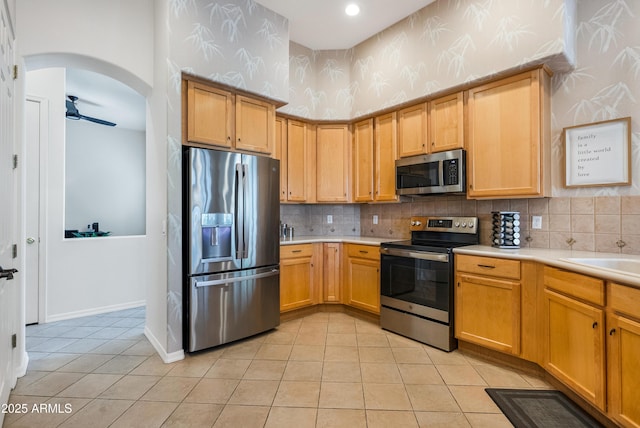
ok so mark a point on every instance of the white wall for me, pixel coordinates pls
(104, 178)
(115, 38)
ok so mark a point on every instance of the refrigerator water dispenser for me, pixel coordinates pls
(216, 237)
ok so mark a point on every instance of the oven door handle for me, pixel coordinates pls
(423, 255)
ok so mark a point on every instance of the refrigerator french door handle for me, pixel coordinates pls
(245, 223)
(224, 281)
(239, 211)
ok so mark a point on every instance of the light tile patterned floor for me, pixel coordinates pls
(325, 370)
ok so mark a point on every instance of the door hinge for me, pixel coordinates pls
(14, 341)
(15, 72)
(14, 251)
(15, 161)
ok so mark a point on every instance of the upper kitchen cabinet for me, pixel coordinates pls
(446, 123)
(509, 137)
(333, 156)
(281, 154)
(209, 115)
(255, 125)
(297, 163)
(363, 158)
(224, 118)
(412, 130)
(375, 150)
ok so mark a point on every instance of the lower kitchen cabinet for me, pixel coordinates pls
(488, 302)
(332, 281)
(623, 351)
(362, 277)
(299, 276)
(574, 332)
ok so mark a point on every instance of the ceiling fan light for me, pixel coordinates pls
(352, 9)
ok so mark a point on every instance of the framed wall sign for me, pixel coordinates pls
(598, 154)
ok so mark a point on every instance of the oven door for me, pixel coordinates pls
(417, 282)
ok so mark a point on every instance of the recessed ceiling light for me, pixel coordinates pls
(352, 9)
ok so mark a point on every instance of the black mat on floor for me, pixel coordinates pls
(535, 408)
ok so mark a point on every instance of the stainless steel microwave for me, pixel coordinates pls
(436, 173)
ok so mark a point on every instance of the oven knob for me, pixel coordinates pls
(464, 224)
(416, 223)
(457, 224)
(471, 225)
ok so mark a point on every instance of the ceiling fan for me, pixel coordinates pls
(74, 114)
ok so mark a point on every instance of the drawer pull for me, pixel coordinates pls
(595, 324)
(296, 251)
(612, 332)
(486, 266)
(364, 252)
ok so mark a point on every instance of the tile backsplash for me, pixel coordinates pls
(600, 223)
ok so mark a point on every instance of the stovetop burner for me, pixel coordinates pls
(438, 233)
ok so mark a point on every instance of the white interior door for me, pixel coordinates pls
(36, 119)
(9, 288)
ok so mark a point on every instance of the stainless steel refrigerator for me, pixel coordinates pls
(231, 246)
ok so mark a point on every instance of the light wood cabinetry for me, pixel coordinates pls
(362, 277)
(375, 150)
(333, 158)
(623, 349)
(573, 332)
(299, 275)
(300, 162)
(255, 125)
(209, 115)
(363, 161)
(446, 123)
(332, 279)
(412, 130)
(488, 302)
(221, 118)
(509, 135)
(281, 154)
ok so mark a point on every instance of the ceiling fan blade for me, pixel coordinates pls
(96, 120)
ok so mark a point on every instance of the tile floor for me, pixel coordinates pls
(324, 370)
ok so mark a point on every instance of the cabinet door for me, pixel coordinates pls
(332, 163)
(412, 130)
(574, 346)
(446, 123)
(623, 351)
(296, 161)
(505, 145)
(487, 312)
(386, 153)
(281, 154)
(296, 277)
(255, 125)
(363, 284)
(331, 278)
(209, 115)
(363, 161)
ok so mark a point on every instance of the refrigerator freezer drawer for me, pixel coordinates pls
(231, 306)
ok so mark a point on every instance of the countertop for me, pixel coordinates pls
(363, 240)
(556, 258)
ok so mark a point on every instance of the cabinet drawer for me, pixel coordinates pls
(624, 299)
(502, 268)
(575, 285)
(293, 251)
(364, 251)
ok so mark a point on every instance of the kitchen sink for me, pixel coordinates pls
(624, 265)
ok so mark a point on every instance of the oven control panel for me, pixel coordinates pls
(445, 224)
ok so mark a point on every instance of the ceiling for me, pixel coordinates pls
(105, 98)
(323, 24)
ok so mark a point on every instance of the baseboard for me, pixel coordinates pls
(95, 311)
(21, 370)
(166, 357)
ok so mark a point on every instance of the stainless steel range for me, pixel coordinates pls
(417, 277)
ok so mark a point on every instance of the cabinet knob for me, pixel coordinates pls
(238, 139)
(612, 332)
(595, 324)
(433, 143)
